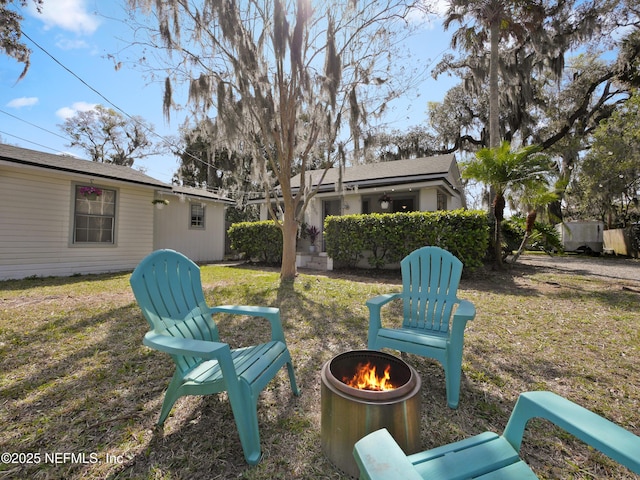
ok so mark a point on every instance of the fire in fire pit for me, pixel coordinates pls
(363, 391)
(366, 378)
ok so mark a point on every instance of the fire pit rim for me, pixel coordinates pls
(372, 395)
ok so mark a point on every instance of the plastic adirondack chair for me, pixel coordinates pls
(168, 289)
(496, 457)
(434, 318)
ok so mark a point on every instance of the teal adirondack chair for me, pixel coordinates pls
(496, 457)
(168, 289)
(434, 318)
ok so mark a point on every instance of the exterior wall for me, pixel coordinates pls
(354, 203)
(429, 200)
(173, 230)
(36, 211)
(455, 203)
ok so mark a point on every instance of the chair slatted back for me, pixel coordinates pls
(168, 289)
(430, 278)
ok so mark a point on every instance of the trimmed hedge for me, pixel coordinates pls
(385, 237)
(259, 241)
(389, 237)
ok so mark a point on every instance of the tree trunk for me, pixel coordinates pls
(498, 212)
(494, 130)
(494, 101)
(288, 270)
(523, 244)
(531, 219)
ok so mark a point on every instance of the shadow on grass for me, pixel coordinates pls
(35, 282)
(79, 381)
(76, 384)
(200, 438)
(484, 278)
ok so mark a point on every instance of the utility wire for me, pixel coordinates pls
(33, 125)
(164, 139)
(29, 141)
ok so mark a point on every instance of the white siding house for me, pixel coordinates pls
(49, 226)
(193, 223)
(420, 184)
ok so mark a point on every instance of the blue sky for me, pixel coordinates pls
(79, 35)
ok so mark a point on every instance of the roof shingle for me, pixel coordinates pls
(70, 164)
(390, 172)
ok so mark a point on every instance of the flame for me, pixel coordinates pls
(366, 378)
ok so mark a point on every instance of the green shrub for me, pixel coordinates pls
(544, 237)
(389, 237)
(259, 241)
(512, 233)
(343, 238)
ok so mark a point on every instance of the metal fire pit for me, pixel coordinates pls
(348, 413)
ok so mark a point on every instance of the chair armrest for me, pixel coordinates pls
(614, 441)
(375, 321)
(272, 314)
(465, 311)
(375, 304)
(185, 346)
(379, 457)
(380, 300)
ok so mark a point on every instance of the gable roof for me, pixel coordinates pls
(384, 173)
(63, 163)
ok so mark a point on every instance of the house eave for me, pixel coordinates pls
(380, 182)
(373, 186)
(205, 195)
(148, 183)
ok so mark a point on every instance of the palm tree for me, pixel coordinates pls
(534, 197)
(530, 44)
(502, 170)
(487, 13)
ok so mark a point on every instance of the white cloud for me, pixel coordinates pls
(440, 7)
(68, 112)
(66, 44)
(23, 102)
(431, 13)
(70, 15)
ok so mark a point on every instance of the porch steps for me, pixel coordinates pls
(314, 261)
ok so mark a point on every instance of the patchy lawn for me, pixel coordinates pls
(80, 394)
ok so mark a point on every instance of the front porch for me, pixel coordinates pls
(314, 261)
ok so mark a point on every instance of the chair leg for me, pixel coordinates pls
(292, 379)
(170, 397)
(452, 375)
(245, 413)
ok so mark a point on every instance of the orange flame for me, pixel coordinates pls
(366, 378)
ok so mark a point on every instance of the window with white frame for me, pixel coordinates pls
(442, 201)
(197, 215)
(94, 215)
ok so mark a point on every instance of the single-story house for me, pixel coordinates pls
(420, 184)
(61, 215)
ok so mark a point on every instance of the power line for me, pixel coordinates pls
(33, 125)
(75, 75)
(29, 141)
(164, 139)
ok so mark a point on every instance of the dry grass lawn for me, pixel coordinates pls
(80, 394)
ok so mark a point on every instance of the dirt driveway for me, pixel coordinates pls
(610, 267)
